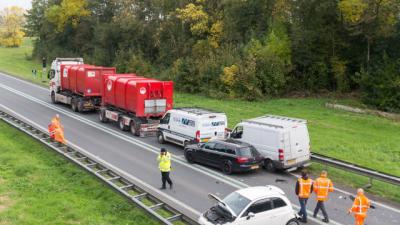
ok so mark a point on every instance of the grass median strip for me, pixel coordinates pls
(37, 186)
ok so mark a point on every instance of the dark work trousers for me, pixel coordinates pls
(321, 205)
(165, 178)
(303, 208)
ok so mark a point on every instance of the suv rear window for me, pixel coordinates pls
(248, 151)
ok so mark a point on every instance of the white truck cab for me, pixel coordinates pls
(183, 126)
(284, 142)
(55, 73)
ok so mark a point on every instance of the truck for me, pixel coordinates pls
(77, 84)
(283, 142)
(136, 103)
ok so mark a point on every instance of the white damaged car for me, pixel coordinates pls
(251, 206)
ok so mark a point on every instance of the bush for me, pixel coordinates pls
(380, 86)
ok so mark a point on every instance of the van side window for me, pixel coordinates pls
(166, 118)
(238, 132)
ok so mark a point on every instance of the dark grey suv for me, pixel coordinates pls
(228, 155)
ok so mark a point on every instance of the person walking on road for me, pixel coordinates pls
(322, 186)
(360, 207)
(304, 188)
(164, 164)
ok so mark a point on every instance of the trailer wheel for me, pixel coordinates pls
(135, 127)
(121, 124)
(53, 97)
(80, 105)
(74, 107)
(160, 138)
(102, 116)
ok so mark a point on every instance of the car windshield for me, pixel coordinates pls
(248, 151)
(236, 202)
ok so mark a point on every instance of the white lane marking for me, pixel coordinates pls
(227, 180)
(24, 81)
(112, 167)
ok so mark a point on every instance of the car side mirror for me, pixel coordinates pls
(250, 215)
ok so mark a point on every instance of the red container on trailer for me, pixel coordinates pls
(85, 80)
(145, 97)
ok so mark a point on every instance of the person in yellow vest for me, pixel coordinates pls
(322, 186)
(304, 188)
(360, 207)
(164, 164)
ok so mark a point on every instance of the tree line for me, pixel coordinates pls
(249, 49)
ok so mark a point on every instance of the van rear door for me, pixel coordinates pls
(299, 143)
(213, 126)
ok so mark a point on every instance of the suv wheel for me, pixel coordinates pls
(160, 138)
(269, 165)
(227, 168)
(292, 222)
(189, 157)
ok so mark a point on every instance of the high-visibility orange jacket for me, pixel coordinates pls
(304, 187)
(51, 130)
(360, 206)
(322, 186)
(56, 122)
(59, 135)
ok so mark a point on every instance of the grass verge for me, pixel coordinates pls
(37, 186)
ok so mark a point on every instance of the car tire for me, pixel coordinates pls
(269, 165)
(189, 157)
(160, 138)
(102, 116)
(227, 168)
(121, 124)
(53, 97)
(292, 222)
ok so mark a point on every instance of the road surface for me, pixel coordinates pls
(137, 156)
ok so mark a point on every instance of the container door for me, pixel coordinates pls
(299, 141)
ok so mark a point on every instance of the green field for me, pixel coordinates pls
(37, 186)
(367, 140)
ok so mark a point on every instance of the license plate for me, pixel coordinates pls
(255, 167)
(292, 161)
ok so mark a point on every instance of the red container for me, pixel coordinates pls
(84, 79)
(143, 96)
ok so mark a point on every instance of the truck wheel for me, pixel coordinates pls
(160, 138)
(135, 127)
(53, 97)
(269, 165)
(80, 105)
(102, 116)
(74, 107)
(121, 124)
(227, 168)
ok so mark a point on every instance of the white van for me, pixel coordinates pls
(283, 142)
(190, 125)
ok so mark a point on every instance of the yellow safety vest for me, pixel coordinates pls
(164, 162)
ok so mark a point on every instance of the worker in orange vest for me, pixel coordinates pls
(56, 130)
(304, 188)
(360, 207)
(322, 186)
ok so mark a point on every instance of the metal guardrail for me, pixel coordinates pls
(349, 167)
(164, 213)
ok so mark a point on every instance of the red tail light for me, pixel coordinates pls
(198, 136)
(281, 155)
(241, 160)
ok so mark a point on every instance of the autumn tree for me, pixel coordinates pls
(11, 22)
(68, 12)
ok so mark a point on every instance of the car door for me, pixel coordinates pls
(164, 125)
(217, 156)
(280, 211)
(237, 133)
(203, 154)
(262, 214)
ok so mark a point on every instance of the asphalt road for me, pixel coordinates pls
(137, 156)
